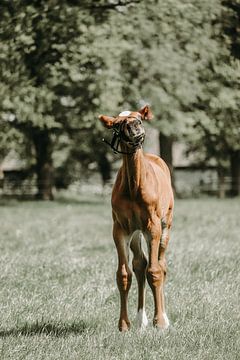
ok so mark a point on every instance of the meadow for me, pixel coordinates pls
(58, 294)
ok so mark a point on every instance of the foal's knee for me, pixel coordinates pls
(155, 276)
(124, 278)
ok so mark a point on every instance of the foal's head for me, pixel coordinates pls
(127, 127)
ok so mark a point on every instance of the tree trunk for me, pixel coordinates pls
(235, 172)
(221, 183)
(44, 166)
(104, 167)
(166, 153)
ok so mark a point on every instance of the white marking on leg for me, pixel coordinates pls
(142, 320)
(167, 323)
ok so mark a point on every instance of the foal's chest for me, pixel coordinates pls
(131, 214)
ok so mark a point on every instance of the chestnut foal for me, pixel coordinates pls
(142, 206)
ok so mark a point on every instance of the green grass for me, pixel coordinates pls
(58, 293)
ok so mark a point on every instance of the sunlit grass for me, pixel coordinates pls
(58, 293)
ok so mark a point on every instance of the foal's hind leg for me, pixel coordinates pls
(162, 263)
(139, 268)
(166, 225)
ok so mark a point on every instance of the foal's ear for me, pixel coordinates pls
(146, 113)
(107, 121)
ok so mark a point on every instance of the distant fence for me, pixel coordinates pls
(197, 182)
(13, 186)
(188, 183)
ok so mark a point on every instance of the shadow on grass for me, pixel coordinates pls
(47, 328)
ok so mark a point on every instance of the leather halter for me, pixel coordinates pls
(119, 135)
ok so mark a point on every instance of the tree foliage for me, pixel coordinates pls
(63, 63)
(53, 70)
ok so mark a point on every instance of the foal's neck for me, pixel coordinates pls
(133, 171)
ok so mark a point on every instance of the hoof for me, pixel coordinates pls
(124, 325)
(162, 322)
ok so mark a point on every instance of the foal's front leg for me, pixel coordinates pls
(124, 274)
(155, 274)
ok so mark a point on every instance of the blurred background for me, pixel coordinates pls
(62, 63)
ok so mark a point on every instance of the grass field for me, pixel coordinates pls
(59, 298)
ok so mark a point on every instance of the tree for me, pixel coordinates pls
(52, 73)
(63, 64)
(164, 48)
(215, 116)
(231, 29)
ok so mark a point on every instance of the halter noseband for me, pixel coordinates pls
(119, 135)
